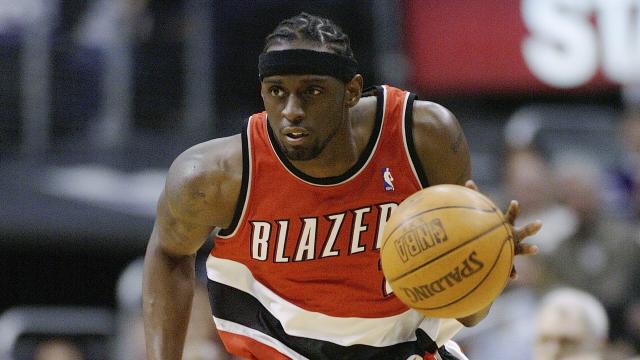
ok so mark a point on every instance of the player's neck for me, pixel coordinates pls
(346, 147)
(338, 156)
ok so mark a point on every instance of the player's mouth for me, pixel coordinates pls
(295, 136)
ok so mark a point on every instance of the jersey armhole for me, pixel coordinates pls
(242, 196)
(410, 144)
(371, 91)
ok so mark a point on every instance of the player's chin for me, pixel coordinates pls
(301, 153)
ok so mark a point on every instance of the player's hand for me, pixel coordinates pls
(520, 233)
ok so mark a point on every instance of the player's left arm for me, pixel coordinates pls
(440, 144)
(444, 156)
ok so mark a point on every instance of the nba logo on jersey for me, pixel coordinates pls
(387, 179)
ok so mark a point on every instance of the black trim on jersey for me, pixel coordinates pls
(237, 213)
(426, 342)
(332, 180)
(413, 153)
(371, 91)
(234, 305)
(445, 355)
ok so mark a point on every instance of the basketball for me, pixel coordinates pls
(447, 251)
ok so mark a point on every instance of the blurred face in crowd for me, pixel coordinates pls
(579, 181)
(57, 350)
(562, 333)
(527, 179)
(631, 133)
(632, 143)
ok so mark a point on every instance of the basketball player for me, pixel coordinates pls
(300, 199)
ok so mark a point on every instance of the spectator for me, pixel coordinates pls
(526, 178)
(570, 324)
(601, 255)
(506, 334)
(57, 349)
(632, 325)
(626, 174)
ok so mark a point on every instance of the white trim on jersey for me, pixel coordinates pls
(404, 136)
(448, 328)
(297, 321)
(454, 349)
(238, 329)
(249, 180)
(373, 151)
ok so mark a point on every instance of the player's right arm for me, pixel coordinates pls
(200, 193)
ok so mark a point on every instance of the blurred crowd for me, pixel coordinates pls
(588, 248)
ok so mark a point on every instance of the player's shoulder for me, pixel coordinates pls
(207, 158)
(434, 126)
(440, 143)
(206, 172)
(365, 108)
(432, 118)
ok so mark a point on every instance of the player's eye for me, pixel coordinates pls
(276, 91)
(314, 90)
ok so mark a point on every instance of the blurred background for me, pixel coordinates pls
(97, 97)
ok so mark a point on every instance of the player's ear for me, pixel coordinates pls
(353, 90)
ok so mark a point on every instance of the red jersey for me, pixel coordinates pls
(298, 275)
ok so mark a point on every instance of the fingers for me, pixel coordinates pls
(526, 249)
(522, 249)
(527, 230)
(471, 185)
(512, 212)
(521, 234)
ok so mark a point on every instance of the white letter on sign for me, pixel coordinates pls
(620, 38)
(561, 49)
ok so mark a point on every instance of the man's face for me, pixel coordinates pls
(304, 111)
(563, 334)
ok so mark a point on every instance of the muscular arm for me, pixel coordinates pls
(444, 156)
(440, 144)
(201, 189)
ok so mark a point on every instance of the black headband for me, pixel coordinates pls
(302, 61)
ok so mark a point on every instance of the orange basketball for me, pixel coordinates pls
(447, 251)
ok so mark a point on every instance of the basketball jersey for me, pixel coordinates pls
(297, 274)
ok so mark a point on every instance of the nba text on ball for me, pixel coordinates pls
(422, 236)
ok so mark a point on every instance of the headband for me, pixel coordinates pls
(302, 61)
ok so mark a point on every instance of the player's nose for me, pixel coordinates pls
(293, 110)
